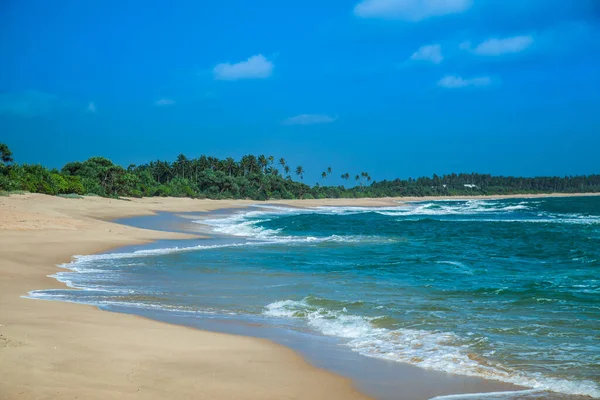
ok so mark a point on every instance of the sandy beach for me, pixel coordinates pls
(67, 351)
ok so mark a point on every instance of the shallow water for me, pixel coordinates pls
(501, 289)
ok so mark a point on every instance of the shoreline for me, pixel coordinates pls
(380, 378)
(72, 350)
(34, 332)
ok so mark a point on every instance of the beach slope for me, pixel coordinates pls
(54, 350)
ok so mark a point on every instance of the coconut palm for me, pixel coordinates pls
(300, 171)
(180, 165)
(262, 162)
(229, 165)
(5, 154)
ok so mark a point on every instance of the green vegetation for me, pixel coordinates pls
(258, 178)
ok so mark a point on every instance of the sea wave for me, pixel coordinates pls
(60, 294)
(81, 263)
(470, 207)
(531, 394)
(436, 350)
(248, 225)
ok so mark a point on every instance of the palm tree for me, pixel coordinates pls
(262, 162)
(300, 172)
(229, 165)
(213, 163)
(166, 171)
(328, 170)
(324, 175)
(251, 163)
(5, 154)
(363, 176)
(282, 162)
(286, 168)
(345, 176)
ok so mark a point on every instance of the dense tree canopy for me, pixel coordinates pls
(255, 177)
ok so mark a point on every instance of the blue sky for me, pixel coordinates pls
(397, 88)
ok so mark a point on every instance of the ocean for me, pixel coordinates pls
(506, 290)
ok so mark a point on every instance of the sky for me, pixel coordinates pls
(396, 88)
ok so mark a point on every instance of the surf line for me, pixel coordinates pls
(492, 395)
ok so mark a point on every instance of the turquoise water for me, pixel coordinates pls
(500, 289)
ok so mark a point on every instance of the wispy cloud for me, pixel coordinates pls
(457, 82)
(430, 53)
(255, 67)
(410, 10)
(28, 103)
(498, 47)
(309, 119)
(91, 108)
(164, 102)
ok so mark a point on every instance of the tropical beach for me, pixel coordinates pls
(362, 199)
(73, 350)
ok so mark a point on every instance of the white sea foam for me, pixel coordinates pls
(80, 263)
(248, 225)
(517, 395)
(457, 266)
(54, 294)
(459, 208)
(442, 351)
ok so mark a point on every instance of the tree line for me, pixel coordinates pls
(255, 177)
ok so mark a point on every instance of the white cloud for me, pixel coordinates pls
(164, 102)
(431, 53)
(28, 103)
(410, 10)
(91, 108)
(499, 47)
(457, 82)
(255, 67)
(309, 119)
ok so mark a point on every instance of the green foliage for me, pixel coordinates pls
(254, 177)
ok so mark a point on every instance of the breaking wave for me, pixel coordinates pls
(436, 350)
